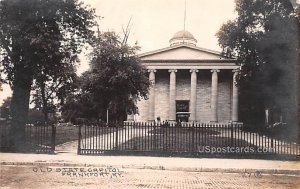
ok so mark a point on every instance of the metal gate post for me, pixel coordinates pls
(272, 142)
(79, 140)
(193, 137)
(231, 141)
(53, 138)
(117, 127)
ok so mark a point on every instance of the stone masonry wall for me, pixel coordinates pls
(162, 95)
(224, 97)
(183, 85)
(203, 96)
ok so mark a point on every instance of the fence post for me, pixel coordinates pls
(231, 138)
(117, 125)
(53, 138)
(193, 138)
(79, 140)
(272, 145)
(154, 141)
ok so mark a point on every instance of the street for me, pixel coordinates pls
(116, 177)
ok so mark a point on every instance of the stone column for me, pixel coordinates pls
(193, 100)
(235, 98)
(214, 96)
(151, 105)
(172, 97)
(130, 117)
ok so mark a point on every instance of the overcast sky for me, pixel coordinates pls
(154, 22)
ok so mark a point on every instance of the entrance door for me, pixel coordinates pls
(182, 111)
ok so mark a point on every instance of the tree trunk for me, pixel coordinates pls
(19, 108)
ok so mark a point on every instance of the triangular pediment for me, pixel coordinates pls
(183, 52)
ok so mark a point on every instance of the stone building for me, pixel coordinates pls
(189, 84)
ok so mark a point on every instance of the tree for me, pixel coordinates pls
(49, 95)
(115, 81)
(264, 39)
(6, 102)
(38, 40)
(79, 105)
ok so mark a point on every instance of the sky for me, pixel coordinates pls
(154, 22)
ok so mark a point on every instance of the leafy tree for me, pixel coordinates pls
(6, 102)
(115, 81)
(264, 39)
(79, 105)
(39, 39)
(50, 94)
(33, 114)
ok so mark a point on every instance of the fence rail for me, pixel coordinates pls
(39, 137)
(186, 138)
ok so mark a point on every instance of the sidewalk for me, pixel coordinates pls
(156, 163)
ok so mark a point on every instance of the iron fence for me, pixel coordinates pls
(196, 139)
(39, 137)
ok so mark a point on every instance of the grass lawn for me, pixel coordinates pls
(181, 140)
(66, 134)
(284, 133)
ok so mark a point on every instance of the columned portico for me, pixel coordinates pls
(186, 85)
(235, 98)
(214, 96)
(193, 98)
(172, 95)
(151, 105)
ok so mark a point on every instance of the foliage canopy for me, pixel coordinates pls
(265, 40)
(39, 41)
(115, 81)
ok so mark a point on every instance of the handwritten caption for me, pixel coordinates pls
(81, 172)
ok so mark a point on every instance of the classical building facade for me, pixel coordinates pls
(189, 84)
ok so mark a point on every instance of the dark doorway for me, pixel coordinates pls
(182, 111)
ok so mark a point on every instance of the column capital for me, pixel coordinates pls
(236, 70)
(152, 70)
(214, 70)
(172, 70)
(194, 70)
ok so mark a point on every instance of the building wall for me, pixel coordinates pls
(183, 82)
(224, 97)
(183, 85)
(203, 97)
(162, 86)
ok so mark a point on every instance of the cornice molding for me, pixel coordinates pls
(189, 61)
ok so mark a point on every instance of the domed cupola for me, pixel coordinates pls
(183, 37)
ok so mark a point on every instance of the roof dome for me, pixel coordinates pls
(183, 37)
